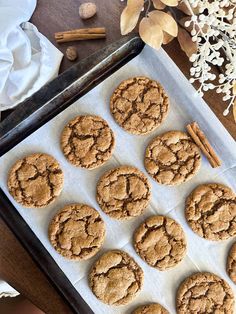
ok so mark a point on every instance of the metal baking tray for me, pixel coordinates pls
(33, 113)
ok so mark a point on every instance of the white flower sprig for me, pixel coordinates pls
(214, 30)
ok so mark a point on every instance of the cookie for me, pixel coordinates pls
(160, 242)
(35, 180)
(123, 193)
(204, 293)
(172, 158)
(77, 232)
(116, 278)
(210, 211)
(153, 308)
(139, 105)
(87, 141)
(231, 263)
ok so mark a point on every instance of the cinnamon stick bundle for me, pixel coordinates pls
(202, 142)
(80, 34)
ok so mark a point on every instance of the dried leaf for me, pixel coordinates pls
(183, 7)
(158, 4)
(151, 32)
(170, 3)
(166, 22)
(130, 15)
(234, 88)
(186, 43)
(234, 111)
(167, 38)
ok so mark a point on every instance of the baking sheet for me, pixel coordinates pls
(80, 184)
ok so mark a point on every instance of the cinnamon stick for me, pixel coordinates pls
(80, 34)
(92, 30)
(202, 142)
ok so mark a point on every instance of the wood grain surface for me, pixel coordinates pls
(52, 16)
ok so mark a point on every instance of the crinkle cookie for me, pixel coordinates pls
(153, 308)
(172, 158)
(231, 263)
(139, 105)
(77, 232)
(204, 293)
(160, 241)
(210, 211)
(116, 278)
(123, 193)
(35, 180)
(87, 141)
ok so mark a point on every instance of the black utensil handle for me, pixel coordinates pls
(57, 95)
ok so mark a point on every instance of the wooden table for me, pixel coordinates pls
(16, 266)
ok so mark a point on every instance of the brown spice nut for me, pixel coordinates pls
(204, 293)
(87, 10)
(71, 53)
(116, 278)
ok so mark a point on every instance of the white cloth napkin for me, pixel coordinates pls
(6, 290)
(28, 59)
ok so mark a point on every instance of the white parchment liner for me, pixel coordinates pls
(80, 185)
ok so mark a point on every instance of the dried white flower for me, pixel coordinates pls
(214, 29)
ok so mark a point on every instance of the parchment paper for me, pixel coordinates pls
(80, 185)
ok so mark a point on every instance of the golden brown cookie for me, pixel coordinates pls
(116, 278)
(139, 105)
(123, 193)
(35, 180)
(172, 158)
(153, 308)
(77, 232)
(204, 293)
(160, 242)
(210, 211)
(231, 263)
(87, 141)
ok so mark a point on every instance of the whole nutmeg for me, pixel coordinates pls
(87, 10)
(71, 53)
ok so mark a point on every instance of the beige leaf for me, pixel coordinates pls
(130, 15)
(158, 4)
(167, 38)
(234, 111)
(151, 33)
(183, 7)
(171, 3)
(234, 88)
(186, 43)
(166, 22)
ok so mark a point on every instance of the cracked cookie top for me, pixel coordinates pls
(160, 241)
(172, 158)
(231, 263)
(77, 232)
(139, 105)
(204, 293)
(35, 180)
(123, 193)
(116, 278)
(153, 308)
(211, 211)
(87, 141)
